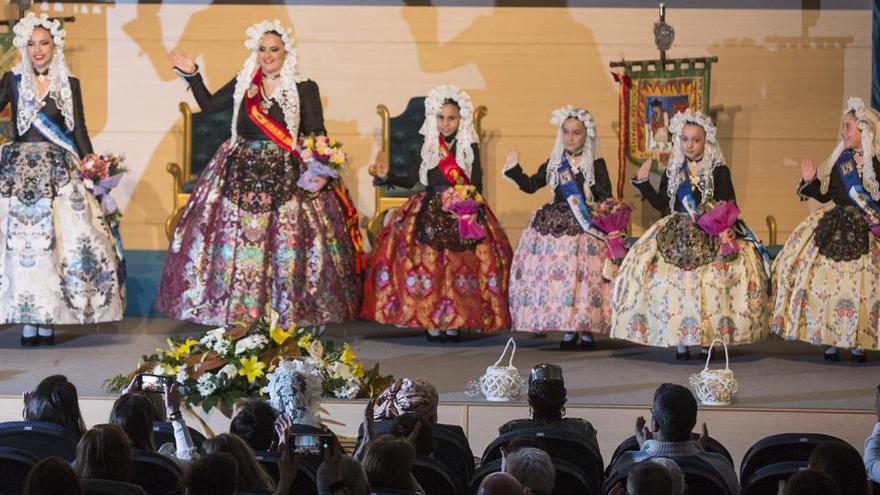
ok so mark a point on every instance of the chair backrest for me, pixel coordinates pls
(569, 478)
(163, 432)
(766, 480)
(40, 438)
(781, 448)
(14, 467)
(699, 476)
(305, 482)
(433, 477)
(156, 474)
(559, 444)
(108, 487)
(452, 449)
(404, 140)
(631, 444)
(203, 133)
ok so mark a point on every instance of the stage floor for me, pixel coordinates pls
(772, 374)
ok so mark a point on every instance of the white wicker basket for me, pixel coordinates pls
(499, 383)
(715, 387)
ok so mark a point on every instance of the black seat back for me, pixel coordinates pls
(108, 487)
(163, 432)
(209, 131)
(766, 480)
(569, 478)
(452, 449)
(404, 154)
(433, 477)
(14, 467)
(305, 482)
(781, 448)
(40, 438)
(631, 444)
(156, 474)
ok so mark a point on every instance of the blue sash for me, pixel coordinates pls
(574, 197)
(847, 168)
(48, 128)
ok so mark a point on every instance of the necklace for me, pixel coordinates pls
(273, 77)
(41, 75)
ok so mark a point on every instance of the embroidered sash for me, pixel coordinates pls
(53, 132)
(847, 168)
(453, 173)
(568, 186)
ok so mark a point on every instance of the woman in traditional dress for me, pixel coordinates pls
(431, 268)
(676, 287)
(260, 228)
(826, 279)
(556, 279)
(60, 260)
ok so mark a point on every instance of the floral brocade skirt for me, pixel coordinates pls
(250, 238)
(60, 263)
(420, 275)
(674, 288)
(556, 281)
(826, 281)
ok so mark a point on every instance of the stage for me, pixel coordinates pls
(784, 386)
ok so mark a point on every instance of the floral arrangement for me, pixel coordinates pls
(465, 203)
(224, 366)
(323, 156)
(717, 219)
(101, 174)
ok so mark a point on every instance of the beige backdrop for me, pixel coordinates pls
(779, 85)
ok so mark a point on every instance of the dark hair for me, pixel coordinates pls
(52, 476)
(404, 424)
(134, 414)
(843, 464)
(55, 400)
(810, 482)
(675, 412)
(547, 399)
(255, 424)
(213, 474)
(388, 463)
(647, 478)
(250, 474)
(104, 453)
(656, 103)
(451, 101)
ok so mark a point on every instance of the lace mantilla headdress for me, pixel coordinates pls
(868, 121)
(59, 74)
(712, 156)
(286, 94)
(295, 390)
(591, 149)
(466, 136)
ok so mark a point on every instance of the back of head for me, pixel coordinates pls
(678, 484)
(213, 474)
(843, 464)
(407, 395)
(674, 412)
(547, 393)
(134, 414)
(250, 473)
(104, 453)
(533, 468)
(500, 484)
(388, 463)
(351, 473)
(55, 400)
(52, 476)
(255, 424)
(810, 482)
(404, 425)
(649, 478)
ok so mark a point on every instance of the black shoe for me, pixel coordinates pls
(47, 339)
(455, 338)
(832, 356)
(568, 345)
(586, 345)
(30, 341)
(682, 356)
(435, 339)
(858, 357)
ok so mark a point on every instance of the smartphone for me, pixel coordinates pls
(153, 383)
(309, 443)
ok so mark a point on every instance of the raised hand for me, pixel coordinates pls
(645, 170)
(182, 61)
(380, 166)
(172, 399)
(808, 169)
(643, 434)
(512, 157)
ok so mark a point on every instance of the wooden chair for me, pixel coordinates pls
(402, 144)
(203, 133)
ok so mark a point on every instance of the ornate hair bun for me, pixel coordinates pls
(255, 35)
(560, 115)
(26, 25)
(689, 117)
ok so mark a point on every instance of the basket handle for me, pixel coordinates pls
(726, 355)
(512, 353)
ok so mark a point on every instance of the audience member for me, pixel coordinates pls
(55, 400)
(340, 474)
(678, 484)
(673, 417)
(133, 412)
(843, 464)
(388, 462)
(533, 468)
(872, 444)
(500, 484)
(104, 453)
(251, 476)
(810, 482)
(407, 395)
(547, 398)
(52, 476)
(213, 474)
(254, 423)
(422, 438)
(649, 478)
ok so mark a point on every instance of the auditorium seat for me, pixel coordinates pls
(699, 476)
(631, 444)
(434, 477)
(163, 432)
(306, 475)
(781, 448)
(156, 474)
(108, 487)
(14, 467)
(40, 438)
(766, 480)
(570, 479)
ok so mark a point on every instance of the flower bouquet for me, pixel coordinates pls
(612, 216)
(323, 157)
(223, 366)
(101, 174)
(465, 203)
(717, 219)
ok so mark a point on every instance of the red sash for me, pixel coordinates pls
(453, 173)
(281, 136)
